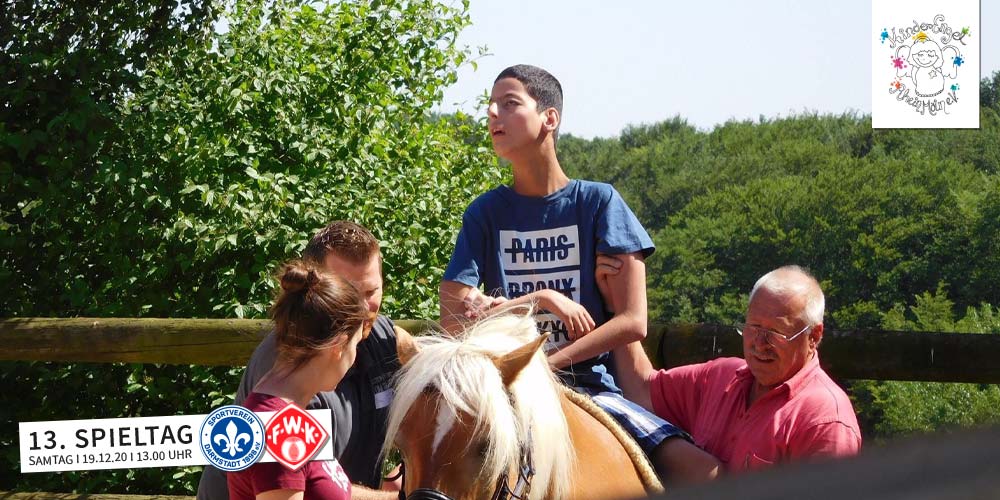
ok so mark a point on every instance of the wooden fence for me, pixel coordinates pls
(878, 355)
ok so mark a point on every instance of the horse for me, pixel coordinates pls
(481, 415)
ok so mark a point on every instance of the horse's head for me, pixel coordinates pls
(477, 409)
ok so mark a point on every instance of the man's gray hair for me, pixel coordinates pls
(815, 302)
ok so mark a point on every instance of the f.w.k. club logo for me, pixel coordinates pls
(294, 436)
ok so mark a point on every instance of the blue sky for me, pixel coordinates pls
(644, 61)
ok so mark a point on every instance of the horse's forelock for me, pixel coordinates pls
(461, 370)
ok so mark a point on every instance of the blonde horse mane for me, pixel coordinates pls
(461, 369)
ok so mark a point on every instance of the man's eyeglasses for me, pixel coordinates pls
(366, 326)
(770, 336)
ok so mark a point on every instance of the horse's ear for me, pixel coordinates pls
(406, 348)
(511, 364)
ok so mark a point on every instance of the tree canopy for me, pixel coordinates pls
(901, 227)
(160, 168)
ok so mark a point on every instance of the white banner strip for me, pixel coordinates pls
(127, 443)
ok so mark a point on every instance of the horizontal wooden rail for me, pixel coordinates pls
(879, 355)
(149, 340)
(867, 354)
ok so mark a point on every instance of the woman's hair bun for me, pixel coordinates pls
(296, 277)
(313, 310)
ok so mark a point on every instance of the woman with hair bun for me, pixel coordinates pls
(319, 319)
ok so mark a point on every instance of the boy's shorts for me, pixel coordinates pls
(648, 429)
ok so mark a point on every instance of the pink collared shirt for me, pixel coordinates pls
(807, 416)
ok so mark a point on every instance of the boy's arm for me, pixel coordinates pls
(576, 318)
(632, 366)
(452, 303)
(461, 302)
(632, 373)
(628, 291)
(462, 276)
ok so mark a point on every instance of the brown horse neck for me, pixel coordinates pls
(609, 463)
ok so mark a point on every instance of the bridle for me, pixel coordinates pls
(502, 491)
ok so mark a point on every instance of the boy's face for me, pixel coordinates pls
(514, 120)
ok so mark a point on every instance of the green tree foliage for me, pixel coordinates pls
(64, 69)
(879, 215)
(219, 159)
(242, 150)
(232, 151)
(887, 219)
(891, 409)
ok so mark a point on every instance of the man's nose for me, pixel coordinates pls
(492, 110)
(760, 340)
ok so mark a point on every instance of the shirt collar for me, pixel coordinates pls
(801, 379)
(793, 385)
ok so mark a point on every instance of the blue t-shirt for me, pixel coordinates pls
(515, 245)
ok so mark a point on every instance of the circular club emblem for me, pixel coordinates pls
(294, 436)
(232, 438)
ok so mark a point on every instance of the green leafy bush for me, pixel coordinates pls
(218, 161)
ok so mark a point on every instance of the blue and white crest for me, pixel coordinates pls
(232, 438)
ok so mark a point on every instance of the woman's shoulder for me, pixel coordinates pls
(256, 401)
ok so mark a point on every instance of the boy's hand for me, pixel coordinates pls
(607, 266)
(576, 318)
(477, 304)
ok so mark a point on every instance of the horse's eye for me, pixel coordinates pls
(481, 449)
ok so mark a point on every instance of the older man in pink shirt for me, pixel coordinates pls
(774, 405)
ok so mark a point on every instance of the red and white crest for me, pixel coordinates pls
(293, 436)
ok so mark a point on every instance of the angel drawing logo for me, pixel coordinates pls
(927, 64)
(916, 67)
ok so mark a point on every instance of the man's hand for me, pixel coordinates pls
(360, 492)
(576, 318)
(393, 484)
(607, 266)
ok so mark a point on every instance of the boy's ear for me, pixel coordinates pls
(552, 119)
